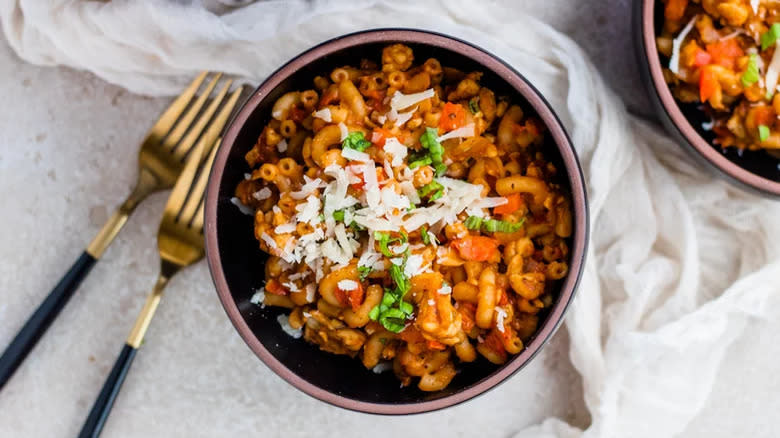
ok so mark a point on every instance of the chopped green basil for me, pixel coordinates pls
(474, 105)
(338, 215)
(433, 188)
(474, 222)
(769, 37)
(356, 140)
(363, 272)
(750, 76)
(763, 132)
(492, 225)
(424, 161)
(424, 235)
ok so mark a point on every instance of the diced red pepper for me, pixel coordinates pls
(514, 204)
(436, 345)
(701, 58)
(708, 84)
(355, 297)
(276, 288)
(725, 52)
(476, 248)
(453, 116)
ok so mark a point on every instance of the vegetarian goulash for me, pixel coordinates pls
(723, 53)
(409, 216)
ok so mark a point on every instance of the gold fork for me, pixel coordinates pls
(160, 162)
(180, 243)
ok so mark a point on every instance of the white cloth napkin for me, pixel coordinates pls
(678, 259)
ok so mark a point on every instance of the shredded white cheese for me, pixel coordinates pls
(402, 118)
(311, 288)
(258, 297)
(445, 289)
(282, 146)
(754, 4)
(348, 285)
(243, 208)
(462, 132)
(344, 130)
(262, 194)
(323, 114)
(397, 150)
(291, 286)
(381, 367)
(674, 62)
(284, 322)
(401, 101)
(773, 71)
(355, 155)
(413, 265)
(309, 186)
(500, 316)
(285, 228)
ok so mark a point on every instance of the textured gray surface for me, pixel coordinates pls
(67, 158)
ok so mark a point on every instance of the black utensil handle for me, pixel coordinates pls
(105, 401)
(37, 324)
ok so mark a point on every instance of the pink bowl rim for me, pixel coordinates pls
(560, 138)
(680, 121)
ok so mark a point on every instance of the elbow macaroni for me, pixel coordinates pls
(429, 297)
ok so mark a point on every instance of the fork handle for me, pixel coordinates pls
(34, 328)
(105, 401)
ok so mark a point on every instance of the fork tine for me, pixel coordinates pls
(186, 143)
(175, 136)
(210, 137)
(169, 117)
(207, 141)
(197, 197)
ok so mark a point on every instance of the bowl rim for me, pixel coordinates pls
(709, 153)
(555, 129)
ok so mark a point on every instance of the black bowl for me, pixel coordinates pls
(756, 171)
(236, 262)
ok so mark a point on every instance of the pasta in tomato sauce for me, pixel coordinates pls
(411, 218)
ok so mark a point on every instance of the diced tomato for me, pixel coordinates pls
(503, 300)
(467, 312)
(675, 9)
(763, 115)
(436, 345)
(328, 96)
(355, 297)
(379, 136)
(725, 52)
(494, 342)
(701, 58)
(514, 204)
(708, 84)
(411, 335)
(276, 288)
(297, 114)
(453, 116)
(341, 296)
(476, 248)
